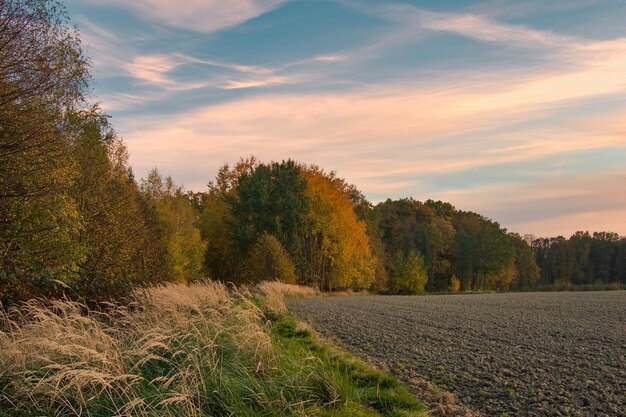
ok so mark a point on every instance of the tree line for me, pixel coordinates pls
(75, 221)
(583, 260)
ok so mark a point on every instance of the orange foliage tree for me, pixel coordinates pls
(336, 244)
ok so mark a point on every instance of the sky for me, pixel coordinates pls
(512, 109)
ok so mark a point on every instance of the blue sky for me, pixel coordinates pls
(513, 109)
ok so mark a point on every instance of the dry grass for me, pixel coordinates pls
(274, 294)
(163, 355)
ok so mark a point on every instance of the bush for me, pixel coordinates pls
(455, 284)
(270, 261)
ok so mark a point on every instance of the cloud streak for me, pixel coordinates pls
(474, 26)
(204, 16)
(157, 70)
(108, 52)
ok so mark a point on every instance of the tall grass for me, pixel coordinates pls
(199, 350)
(274, 294)
(178, 350)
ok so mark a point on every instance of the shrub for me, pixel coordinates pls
(455, 284)
(270, 261)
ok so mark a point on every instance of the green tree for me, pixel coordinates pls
(408, 225)
(221, 259)
(527, 273)
(602, 255)
(442, 208)
(496, 257)
(269, 198)
(215, 230)
(484, 254)
(579, 246)
(381, 274)
(620, 261)
(408, 274)
(436, 239)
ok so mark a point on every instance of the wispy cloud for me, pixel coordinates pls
(246, 69)
(152, 69)
(258, 82)
(203, 16)
(466, 24)
(108, 52)
(157, 70)
(484, 28)
(116, 101)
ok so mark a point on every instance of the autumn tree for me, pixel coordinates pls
(313, 215)
(455, 284)
(114, 234)
(43, 74)
(336, 244)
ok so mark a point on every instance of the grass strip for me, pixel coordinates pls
(358, 388)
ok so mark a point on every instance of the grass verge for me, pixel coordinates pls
(197, 350)
(356, 389)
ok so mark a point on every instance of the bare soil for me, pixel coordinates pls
(516, 354)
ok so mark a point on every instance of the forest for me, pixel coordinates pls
(76, 222)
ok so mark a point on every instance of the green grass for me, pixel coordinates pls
(352, 387)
